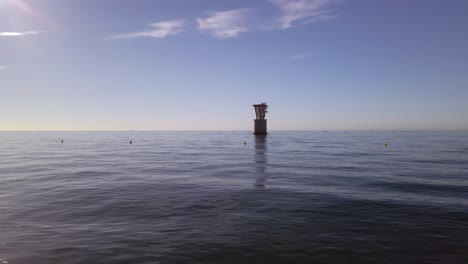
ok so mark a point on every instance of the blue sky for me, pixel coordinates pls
(201, 64)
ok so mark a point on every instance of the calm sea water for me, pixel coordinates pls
(204, 197)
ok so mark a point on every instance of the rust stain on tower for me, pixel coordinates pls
(260, 123)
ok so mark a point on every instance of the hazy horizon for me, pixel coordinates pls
(200, 65)
(248, 130)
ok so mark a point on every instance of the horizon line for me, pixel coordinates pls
(242, 130)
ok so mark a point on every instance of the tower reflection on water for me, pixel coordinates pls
(260, 161)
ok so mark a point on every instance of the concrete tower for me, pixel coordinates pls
(260, 123)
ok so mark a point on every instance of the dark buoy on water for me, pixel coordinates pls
(245, 143)
(131, 142)
(260, 123)
(61, 141)
(386, 144)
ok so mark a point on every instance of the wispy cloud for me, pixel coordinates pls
(303, 11)
(160, 30)
(300, 56)
(2, 67)
(283, 14)
(225, 24)
(289, 13)
(19, 34)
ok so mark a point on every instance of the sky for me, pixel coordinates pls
(201, 64)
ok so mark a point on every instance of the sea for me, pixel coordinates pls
(234, 197)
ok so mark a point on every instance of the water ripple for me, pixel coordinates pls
(204, 197)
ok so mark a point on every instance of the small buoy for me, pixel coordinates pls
(385, 144)
(131, 142)
(245, 143)
(61, 141)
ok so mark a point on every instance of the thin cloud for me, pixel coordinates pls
(283, 14)
(301, 11)
(225, 24)
(20, 34)
(2, 67)
(300, 56)
(160, 30)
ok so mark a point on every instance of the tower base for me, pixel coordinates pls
(260, 126)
